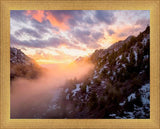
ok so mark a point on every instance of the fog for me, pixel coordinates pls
(30, 98)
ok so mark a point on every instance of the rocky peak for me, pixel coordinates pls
(18, 57)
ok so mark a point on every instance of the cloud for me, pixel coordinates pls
(75, 18)
(105, 16)
(89, 20)
(72, 22)
(43, 27)
(52, 42)
(60, 15)
(130, 30)
(82, 35)
(97, 35)
(75, 29)
(40, 54)
(18, 15)
(139, 26)
(87, 37)
(65, 19)
(83, 19)
(43, 57)
(39, 43)
(32, 19)
(31, 32)
(122, 34)
(93, 45)
(110, 32)
(143, 22)
(56, 18)
(36, 14)
(57, 23)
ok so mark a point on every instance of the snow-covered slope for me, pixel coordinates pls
(141, 105)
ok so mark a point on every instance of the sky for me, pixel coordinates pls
(61, 36)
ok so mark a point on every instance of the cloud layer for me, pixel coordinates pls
(79, 31)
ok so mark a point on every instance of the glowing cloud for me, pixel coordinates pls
(37, 15)
(55, 22)
(64, 35)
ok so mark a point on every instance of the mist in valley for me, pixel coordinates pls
(31, 98)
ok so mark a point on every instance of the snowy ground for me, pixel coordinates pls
(138, 112)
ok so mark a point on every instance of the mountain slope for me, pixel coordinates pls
(23, 66)
(117, 88)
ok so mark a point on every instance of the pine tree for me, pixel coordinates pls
(139, 60)
(132, 58)
(93, 101)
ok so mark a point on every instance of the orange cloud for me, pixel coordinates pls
(55, 22)
(37, 15)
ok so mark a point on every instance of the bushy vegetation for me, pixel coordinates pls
(111, 58)
(25, 71)
(93, 101)
(83, 88)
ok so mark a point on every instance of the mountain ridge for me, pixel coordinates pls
(118, 87)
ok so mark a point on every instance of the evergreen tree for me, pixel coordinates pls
(131, 65)
(139, 59)
(93, 101)
(124, 59)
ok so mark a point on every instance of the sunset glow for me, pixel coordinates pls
(61, 36)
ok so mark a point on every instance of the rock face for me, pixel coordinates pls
(22, 65)
(118, 87)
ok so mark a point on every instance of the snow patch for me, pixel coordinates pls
(105, 66)
(92, 82)
(111, 77)
(131, 97)
(121, 104)
(135, 53)
(67, 97)
(112, 115)
(103, 82)
(75, 90)
(95, 77)
(101, 70)
(86, 97)
(144, 41)
(87, 89)
(145, 94)
(114, 73)
(146, 57)
(130, 115)
(124, 65)
(128, 59)
(120, 57)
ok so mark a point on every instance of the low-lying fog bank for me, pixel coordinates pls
(30, 98)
